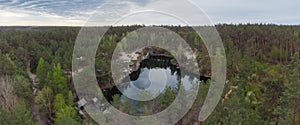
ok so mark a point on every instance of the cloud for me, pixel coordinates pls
(44, 11)
(254, 11)
(105, 12)
(24, 18)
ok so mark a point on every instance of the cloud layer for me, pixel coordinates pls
(77, 12)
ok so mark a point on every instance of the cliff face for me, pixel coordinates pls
(188, 64)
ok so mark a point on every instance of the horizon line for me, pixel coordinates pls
(216, 24)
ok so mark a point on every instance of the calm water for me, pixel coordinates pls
(159, 73)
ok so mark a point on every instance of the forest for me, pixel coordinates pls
(262, 86)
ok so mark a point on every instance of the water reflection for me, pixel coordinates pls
(154, 75)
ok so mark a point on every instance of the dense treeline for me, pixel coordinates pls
(263, 69)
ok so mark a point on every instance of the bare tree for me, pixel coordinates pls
(8, 100)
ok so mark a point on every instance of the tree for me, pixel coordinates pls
(14, 110)
(269, 92)
(42, 72)
(59, 103)
(22, 87)
(197, 41)
(168, 97)
(7, 93)
(7, 66)
(6, 117)
(44, 101)
(123, 106)
(70, 100)
(23, 114)
(57, 80)
(290, 101)
(64, 114)
(4, 46)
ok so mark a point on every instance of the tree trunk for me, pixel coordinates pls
(294, 112)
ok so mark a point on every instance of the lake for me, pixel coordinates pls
(153, 76)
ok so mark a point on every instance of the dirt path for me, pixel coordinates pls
(31, 75)
(41, 119)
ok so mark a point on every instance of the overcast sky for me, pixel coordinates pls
(77, 12)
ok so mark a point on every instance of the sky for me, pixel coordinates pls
(80, 12)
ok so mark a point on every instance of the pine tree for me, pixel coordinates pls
(291, 99)
(57, 80)
(22, 87)
(23, 114)
(42, 71)
(64, 114)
